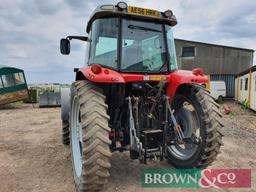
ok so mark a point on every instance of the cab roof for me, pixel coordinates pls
(4, 69)
(104, 11)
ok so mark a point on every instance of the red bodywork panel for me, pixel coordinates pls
(174, 79)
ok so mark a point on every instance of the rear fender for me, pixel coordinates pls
(105, 76)
(181, 77)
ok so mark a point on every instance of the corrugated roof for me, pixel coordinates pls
(215, 45)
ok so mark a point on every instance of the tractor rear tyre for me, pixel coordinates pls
(65, 133)
(198, 115)
(89, 132)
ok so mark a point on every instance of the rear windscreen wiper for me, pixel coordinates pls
(142, 28)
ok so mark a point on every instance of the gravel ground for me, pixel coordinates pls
(32, 158)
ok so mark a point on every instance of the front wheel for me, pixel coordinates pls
(89, 132)
(198, 116)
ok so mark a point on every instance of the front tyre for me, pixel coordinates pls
(198, 115)
(89, 132)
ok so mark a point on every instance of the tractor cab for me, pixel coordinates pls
(130, 39)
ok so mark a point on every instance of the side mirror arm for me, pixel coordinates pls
(81, 38)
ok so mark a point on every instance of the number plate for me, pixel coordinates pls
(154, 78)
(142, 11)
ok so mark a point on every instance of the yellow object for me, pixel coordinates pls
(156, 78)
(142, 11)
(208, 84)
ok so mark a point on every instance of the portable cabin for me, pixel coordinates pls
(245, 84)
(13, 86)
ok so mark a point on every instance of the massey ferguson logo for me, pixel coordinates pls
(196, 178)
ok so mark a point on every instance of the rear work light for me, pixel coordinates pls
(122, 5)
(96, 69)
(168, 13)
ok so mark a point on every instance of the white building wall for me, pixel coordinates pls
(253, 91)
(243, 94)
(246, 92)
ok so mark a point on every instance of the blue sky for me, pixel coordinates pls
(30, 30)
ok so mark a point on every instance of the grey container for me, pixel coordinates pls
(49, 99)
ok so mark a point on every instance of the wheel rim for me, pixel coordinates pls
(76, 137)
(186, 151)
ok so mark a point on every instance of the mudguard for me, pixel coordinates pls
(174, 80)
(181, 77)
(65, 103)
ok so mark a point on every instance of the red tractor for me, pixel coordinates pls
(131, 97)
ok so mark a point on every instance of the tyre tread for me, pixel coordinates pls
(94, 117)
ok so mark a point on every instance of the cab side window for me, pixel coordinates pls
(8, 80)
(1, 82)
(19, 78)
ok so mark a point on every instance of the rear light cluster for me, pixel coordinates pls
(96, 69)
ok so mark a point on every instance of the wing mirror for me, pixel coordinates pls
(65, 46)
(65, 43)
